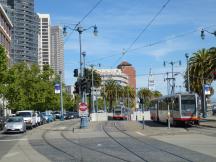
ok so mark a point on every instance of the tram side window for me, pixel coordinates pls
(160, 105)
(164, 105)
(176, 104)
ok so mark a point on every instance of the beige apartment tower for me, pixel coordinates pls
(57, 50)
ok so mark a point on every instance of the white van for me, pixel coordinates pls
(29, 117)
(38, 118)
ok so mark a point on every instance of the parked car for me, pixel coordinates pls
(57, 114)
(15, 124)
(68, 115)
(75, 115)
(48, 117)
(43, 118)
(29, 117)
(38, 118)
(213, 109)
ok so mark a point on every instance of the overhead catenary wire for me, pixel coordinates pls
(90, 11)
(147, 26)
(140, 34)
(155, 43)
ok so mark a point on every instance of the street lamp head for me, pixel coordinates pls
(214, 33)
(84, 54)
(202, 34)
(186, 55)
(95, 32)
(65, 31)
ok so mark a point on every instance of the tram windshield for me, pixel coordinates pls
(118, 112)
(188, 105)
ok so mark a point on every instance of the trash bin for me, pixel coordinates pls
(84, 122)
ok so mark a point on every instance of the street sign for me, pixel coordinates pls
(57, 89)
(207, 89)
(83, 109)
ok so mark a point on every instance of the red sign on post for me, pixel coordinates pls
(83, 109)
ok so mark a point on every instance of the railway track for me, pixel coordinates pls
(70, 156)
(60, 150)
(126, 148)
(150, 145)
(93, 149)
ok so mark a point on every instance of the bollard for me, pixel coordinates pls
(73, 130)
(168, 114)
(136, 117)
(143, 122)
(84, 122)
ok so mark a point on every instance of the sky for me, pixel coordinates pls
(119, 23)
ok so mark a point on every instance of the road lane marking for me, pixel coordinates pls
(9, 140)
(140, 133)
(61, 128)
(11, 154)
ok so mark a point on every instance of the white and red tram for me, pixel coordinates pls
(180, 108)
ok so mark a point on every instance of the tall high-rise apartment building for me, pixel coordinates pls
(24, 45)
(57, 50)
(44, 57)
(5, 31)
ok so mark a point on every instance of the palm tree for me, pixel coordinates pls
(130, 94)
(146, 95)
(110, 92)
(96, 81)
(156, 94)
(201, 66)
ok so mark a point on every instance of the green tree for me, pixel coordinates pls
(88, 80)
(69, 102)
(110, 91)
(29, 88)
(156, 94)
(3, 76)
(146, 95)
(201, 66)
(129, 94)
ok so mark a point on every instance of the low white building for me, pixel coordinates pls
(114, 74)
(69, 90)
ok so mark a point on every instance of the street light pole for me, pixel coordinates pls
(80, 30)
(83, 63)
(203, 33)
(104, 97)
(92, 89)
(188, 78)
(61, 100)
(204, 106)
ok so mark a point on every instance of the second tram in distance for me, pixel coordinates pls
(179, 108)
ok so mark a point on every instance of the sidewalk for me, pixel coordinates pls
(210, 121)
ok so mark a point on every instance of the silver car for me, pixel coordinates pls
(15, 124)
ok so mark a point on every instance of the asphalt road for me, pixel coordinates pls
(114, 141)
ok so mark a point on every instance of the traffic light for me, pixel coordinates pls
(75, 72)
(85, 72)
(214, 75)
(76, 88)
(141, 101)
(83, 84)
